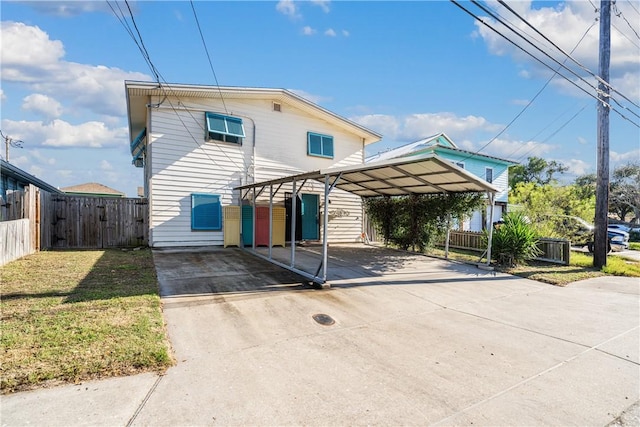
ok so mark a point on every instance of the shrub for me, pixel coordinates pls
(515, 240)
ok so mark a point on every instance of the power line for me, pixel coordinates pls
(536, 95)
(542, 62)
(630, 3)
(195, 15)
(168, 91)
(619, 14)
(625, 36)
(598, 78)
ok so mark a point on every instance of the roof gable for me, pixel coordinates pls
(440, 144)
(138, 94)
(93, 188)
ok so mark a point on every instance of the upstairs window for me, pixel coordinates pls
(319, 145)
(206, 212)
(224, 128)
(488, 175)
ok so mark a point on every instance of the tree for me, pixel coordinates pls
(586, 185)
(624, 192)
(542, 202)
(536, 170)
(417, 221)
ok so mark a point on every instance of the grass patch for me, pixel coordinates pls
(634, 246)
(580, 268)
(71, 316)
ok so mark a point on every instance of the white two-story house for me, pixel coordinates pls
(199, 143)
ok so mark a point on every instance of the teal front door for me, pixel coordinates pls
(310, 209)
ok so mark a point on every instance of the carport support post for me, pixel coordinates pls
(270, 218)
(446, 241)
(253, 206)
(294, 200)
(325, 226)
(492, 197)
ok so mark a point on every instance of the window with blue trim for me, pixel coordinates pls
(206, 212)
(224, 128)
(319, 145)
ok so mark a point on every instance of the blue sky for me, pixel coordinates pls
(405, 69)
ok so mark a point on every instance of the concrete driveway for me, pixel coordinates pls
(415, 341)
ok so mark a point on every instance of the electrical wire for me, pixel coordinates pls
(619, 14)
(595, 9)
(625, 36)
(597, 77)
(195, 15)
(522, 157)
(532, 99)
(630, 3)
(544, 64)
(168, 91)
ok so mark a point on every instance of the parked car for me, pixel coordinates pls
(580, 233)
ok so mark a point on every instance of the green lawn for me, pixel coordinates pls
(580, 267)
(70, 316)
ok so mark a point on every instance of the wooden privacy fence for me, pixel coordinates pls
(85, 222)
(553, 250)
(19, 225)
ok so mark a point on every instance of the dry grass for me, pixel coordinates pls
(76, 315)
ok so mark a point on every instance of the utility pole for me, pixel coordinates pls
(600, 247)
(9, 142)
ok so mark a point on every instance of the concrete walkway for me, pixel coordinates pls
(416, 341)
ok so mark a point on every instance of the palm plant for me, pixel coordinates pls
(515, 240)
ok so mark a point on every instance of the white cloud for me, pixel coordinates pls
(565, 24)
(43, 105)
(288, 8)
(345, 33)
(416, 126)
(630, 156)
(582, 141)
(323, 4)
(316, 99)
(97, 88)
(2, 95)
(308, 31)
(60, 133)
(330, 32)
(69, 8)
(576, 167)
(105, 165)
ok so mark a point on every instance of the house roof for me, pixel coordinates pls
(424, 174)
(18, 174)
(93, 188)
(138, 92)
(440, 141)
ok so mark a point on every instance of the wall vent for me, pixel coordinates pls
(277, 106)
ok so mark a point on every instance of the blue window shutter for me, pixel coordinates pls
(206, 212)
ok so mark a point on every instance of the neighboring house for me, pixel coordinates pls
(92, 189)
(197, 143)
(492, 169)
(12, 178)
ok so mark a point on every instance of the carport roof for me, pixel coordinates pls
(427, 174)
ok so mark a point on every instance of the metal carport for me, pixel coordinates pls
(427, 174)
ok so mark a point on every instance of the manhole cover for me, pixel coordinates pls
(323, 319)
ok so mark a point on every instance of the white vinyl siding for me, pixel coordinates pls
(182, 163)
